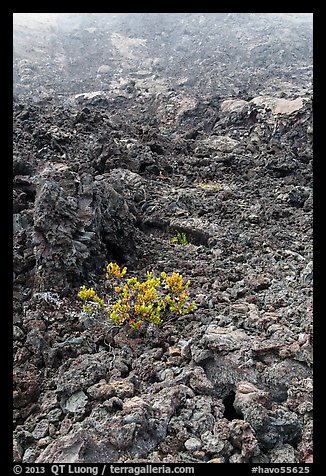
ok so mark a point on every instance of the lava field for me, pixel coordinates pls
(129, 128)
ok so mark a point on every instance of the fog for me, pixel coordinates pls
(34, 18)
(205, 51)
(47, 19)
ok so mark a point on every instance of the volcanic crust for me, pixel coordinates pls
(126, 130)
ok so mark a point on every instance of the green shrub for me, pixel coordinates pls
(180, 238)
(133, 302)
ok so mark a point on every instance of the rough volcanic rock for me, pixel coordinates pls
(70, 226)
(128, 130)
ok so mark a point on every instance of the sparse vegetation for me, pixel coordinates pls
(214, 186)
(180, 238)
(133, 302)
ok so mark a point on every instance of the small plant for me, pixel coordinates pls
(133, 302)
(215, 187)
(180, 238)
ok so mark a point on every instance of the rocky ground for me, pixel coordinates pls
(107, 167)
